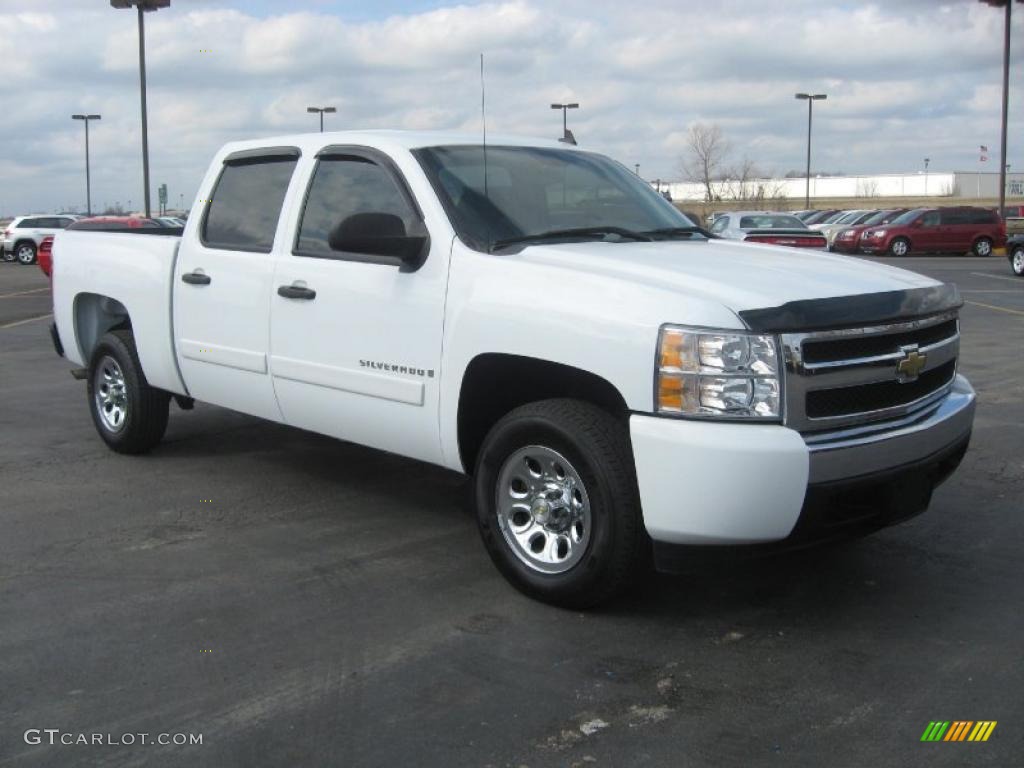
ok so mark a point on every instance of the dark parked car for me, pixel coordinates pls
(938, 230)
(819, 217)
(1015, 252)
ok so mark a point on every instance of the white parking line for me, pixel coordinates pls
(997, 277)
(23, 293)
(22, 322)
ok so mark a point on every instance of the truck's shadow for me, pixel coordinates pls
(819, 579)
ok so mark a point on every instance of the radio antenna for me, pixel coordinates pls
(483, 119)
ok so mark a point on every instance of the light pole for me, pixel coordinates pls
(810, 98)
(1006, 96)
(321, 110)
(565, 108)
(636, 168)
(926, 161)
(88, 187)
(143, 6)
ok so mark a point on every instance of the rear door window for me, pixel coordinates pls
(245, 206)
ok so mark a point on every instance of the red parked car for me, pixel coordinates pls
(935, 230)
(44, 255)
(848, 240)
(116, 223)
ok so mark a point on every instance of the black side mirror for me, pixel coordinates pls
(380, 234)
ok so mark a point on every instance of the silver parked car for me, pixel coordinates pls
(850, 219)
(768, 228)
(24, 234)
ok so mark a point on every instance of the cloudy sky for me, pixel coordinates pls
(905, 79)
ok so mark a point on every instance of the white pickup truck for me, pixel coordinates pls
(614, 379)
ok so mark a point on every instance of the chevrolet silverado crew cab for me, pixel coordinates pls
(614, 379)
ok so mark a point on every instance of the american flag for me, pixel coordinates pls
(984, 152)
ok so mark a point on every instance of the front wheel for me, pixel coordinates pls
(899, 247)
(557, 503)
(1017, 261)
(982, 247)
(130, 415)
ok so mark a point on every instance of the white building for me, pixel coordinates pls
(955, 185)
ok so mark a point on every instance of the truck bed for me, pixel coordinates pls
(94, 272)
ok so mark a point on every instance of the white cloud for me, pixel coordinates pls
(903, 80)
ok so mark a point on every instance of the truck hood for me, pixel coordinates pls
(740, 276)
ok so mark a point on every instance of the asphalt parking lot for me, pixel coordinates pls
(301, 601)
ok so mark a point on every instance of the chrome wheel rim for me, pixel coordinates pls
(899, 248)
(25, 254)
(543, 509)
(110, 395)
(983, 248)
(1018, 261)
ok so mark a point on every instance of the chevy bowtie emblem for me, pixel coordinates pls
(911, 365)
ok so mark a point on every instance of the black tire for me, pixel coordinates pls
(1017, 260)
(899, 246)
(982, 247)
(21, 249)
(144, 419)
(596, 445)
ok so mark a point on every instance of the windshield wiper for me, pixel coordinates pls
(556, 234)
(671, 231)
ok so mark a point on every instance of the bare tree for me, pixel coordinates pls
(706, 151)
(867, 188)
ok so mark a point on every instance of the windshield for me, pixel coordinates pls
(771, 221)
(879, 217)
(907, 217)
(848, 218)
(531, 191)
(832, 218)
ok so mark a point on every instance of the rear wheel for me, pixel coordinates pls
(900, 246)
(557, 504)
(129, 415)
(1017, 261)
(982, 247)
(25, 252)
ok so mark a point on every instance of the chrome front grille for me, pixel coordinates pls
(842, 378)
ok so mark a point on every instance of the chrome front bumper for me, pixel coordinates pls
(868, 449)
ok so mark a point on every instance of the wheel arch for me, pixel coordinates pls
(495, 383)
(95, 315)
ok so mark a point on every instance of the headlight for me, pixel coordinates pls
(717, 373)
